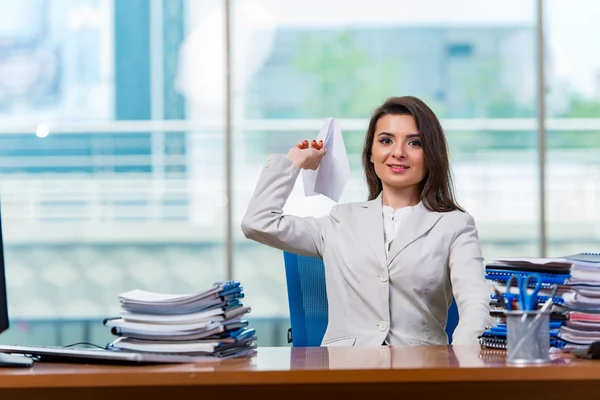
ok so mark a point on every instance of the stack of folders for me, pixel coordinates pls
(575, 316)
(209, 323)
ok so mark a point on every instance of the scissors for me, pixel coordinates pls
(526, 301)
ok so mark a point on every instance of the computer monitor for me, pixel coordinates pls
(6, 359)
(3, 297)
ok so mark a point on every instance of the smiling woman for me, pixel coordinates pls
(397, 155)
(393, 263)
(406, 156)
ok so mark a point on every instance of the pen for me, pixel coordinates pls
(515, 304)
(502, 299)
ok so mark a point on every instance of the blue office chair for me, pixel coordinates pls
(307, 298)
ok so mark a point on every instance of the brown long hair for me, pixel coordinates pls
(436, 189)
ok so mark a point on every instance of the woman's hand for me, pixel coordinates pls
(306, 157)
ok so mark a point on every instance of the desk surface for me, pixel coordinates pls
(300, 366)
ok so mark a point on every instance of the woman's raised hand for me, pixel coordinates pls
(307, 157)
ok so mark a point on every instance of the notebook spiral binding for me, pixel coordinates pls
(493, 355)
(494, 343)
(502, 282)
(540, 299)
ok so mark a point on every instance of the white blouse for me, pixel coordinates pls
(392, 221)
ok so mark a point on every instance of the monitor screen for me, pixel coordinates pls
(3, 301)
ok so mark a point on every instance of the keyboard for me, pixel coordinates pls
(91, 355)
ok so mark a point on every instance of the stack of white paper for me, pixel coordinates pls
(333, 173)
(205, 323)
(139, 301)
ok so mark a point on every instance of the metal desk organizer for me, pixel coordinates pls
(528, 328)
(528, 336)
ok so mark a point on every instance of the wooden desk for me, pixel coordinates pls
(459, 372)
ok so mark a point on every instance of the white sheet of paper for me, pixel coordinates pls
(333, 173)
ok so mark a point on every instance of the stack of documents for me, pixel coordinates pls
(575, 317)
(209, 323)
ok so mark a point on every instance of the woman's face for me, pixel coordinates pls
(396, 153)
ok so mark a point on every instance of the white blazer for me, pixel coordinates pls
(404, 297)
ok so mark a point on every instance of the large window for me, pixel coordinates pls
(312, 59)
(116, 124)
(112, 150)
(573, 123)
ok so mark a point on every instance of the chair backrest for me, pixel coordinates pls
(307, 298)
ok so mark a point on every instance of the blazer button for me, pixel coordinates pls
(383, 276)
(382, 326)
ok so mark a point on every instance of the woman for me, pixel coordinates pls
(394, 262)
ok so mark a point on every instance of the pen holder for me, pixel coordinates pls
(528, 337)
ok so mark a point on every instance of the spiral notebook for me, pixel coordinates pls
(498, 275)
(530, 266)
(500, 343)
(585, 257)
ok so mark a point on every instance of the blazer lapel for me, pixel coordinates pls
(418, 222)
(372, 228)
